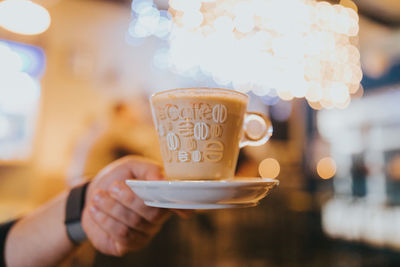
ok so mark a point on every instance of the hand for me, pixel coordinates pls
(115, 219)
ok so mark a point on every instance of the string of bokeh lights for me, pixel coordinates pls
(291, 49)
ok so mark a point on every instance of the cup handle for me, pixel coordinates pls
(261, 129)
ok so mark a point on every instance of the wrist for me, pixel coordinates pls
(73, 213)
(89, 191)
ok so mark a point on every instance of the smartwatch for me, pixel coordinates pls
(73, 214)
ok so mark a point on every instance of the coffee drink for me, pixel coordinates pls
(200, 130)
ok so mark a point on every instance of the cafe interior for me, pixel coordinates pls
(326, 73)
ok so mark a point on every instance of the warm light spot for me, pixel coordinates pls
(326, 168)
(24, 17)
(349, 4)
(269, 168)
(353, 88)
(394, 167)
(285, 95)
(359, 93)
(315, 105)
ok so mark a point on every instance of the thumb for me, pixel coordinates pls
(144, 169)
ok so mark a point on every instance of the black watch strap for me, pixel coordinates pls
(4, 230)
(73, 214)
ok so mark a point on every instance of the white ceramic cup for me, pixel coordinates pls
(201, 130)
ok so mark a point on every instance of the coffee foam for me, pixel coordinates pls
(201, 93)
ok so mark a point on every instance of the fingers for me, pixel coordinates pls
(127, 228)
(97, 236)
(123, 237)
(123, 194)
(128, 217)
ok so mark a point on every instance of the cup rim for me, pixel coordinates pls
(201, 88)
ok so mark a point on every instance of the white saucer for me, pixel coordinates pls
(234, 193)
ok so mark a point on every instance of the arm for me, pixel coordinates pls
(115, 219)
(39, 238)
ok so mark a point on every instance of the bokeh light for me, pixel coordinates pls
(393, 167)
(24, 17)
(269, 168)
(21, 67)
(148, 21)
(19, 90)
(5, 126)
(326, 168)
(298, 48)
(10, 61)
(263, 45)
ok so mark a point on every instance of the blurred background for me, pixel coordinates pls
(75, 77)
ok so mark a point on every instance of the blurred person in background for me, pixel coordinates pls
(128, 130)
(113, 218)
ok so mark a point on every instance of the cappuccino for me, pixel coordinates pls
(199, 130)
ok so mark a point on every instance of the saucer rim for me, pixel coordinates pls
(235, 182)
(199, 206)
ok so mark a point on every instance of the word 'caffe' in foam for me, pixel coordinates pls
(199, 131)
